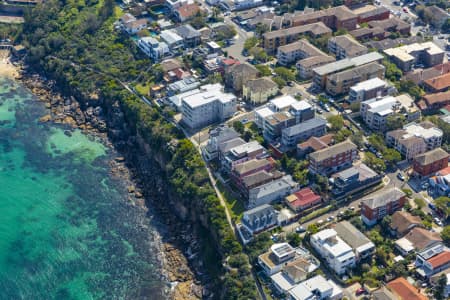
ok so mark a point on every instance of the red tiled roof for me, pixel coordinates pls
(188, 10)
(440, 82)
(304, 197)
(444, 171)
(230, 61)
(405, 290)
(440, 259)
(436, 98)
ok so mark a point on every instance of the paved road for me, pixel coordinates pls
(235, 50)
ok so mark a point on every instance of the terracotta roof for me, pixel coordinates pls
(401, 221)
(317, 143)
(440, 259)
(188, 10)
(422, 238)
(170, 65)
(431, 156)
(444, 171)
(304, 197)
(402, 288)
(437, 98)
(439, 83)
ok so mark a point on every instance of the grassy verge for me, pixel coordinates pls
(315, 214)
(235, 206)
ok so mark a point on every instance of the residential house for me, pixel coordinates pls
(132, 25)
(405, 57)
(241, 153)
(437, 14)
(305, 66)
(434, 265)
(320, 74)
(415, 139)
(186, 11)
(333, 158)
(340, 83)
(437, 84)
(172, 39)
(276, 258)
(343, 46)
(259, 178)
(336, 18)
(259, 218)
(403, 290)
(435, 279)
(272, 191)
(274, 39)
(291, 136)
(317, 288)
(419, 75)
(440, 183)
(274, 124)
(258, 91)
(392, 25)
(210, 105)
(303, 199)
(250, 167)
(435, 101)
(369, 89)
(293, 273)
(233, 5)
(290, 53)
(181, 86)
(375, 112)
(418, 239)
(353, 179)
(403, 222)
(378, 205)
(238, 75)
(337, 253)
(367, 13)
(153, 48)
(217, 138)
(430, 162)
(314, 144)
(191, 36)
(360, 244)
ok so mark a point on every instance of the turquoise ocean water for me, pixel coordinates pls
(67, 230)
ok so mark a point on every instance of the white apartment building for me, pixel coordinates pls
(369, 89)
(334, 250)
(171, 38)
(279, 104)
(415, 139)
(316, 288)
(208, 106)
(375, 112)
(153, 48)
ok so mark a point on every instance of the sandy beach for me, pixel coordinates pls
(7, 69)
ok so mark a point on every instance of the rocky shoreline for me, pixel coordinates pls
(178, 243)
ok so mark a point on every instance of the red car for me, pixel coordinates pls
(405, 9)
(360, 291)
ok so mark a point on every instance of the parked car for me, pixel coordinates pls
(320, 222)
(330, 218)
(401, 176)
(300, 229)
(360, 291)
(438, 222)
(405, 9)
(425, 185)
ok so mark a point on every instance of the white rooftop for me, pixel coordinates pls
(301, 105)
(318, 283)
(282, 249)
(264, 112)
(414, 129)
(404, 52)
(404, 244)
(333, 243)
(282, 102)
(170, 37)
(246, 148)
(207, 94)
(282, 281)
(301, 292)
(369, 84)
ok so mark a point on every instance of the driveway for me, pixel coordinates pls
(235, 50)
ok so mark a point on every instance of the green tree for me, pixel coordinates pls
(285, 73)
(445, 235)
(313, 228)
(377, 141)
(342, 135)
(374, 162)
(393, 73)
(355, 106)
(263, 70)
(419, 202)
(261, 29)
(443, 204)
(357, 139)
(250, 43)
(280, 81)
(341, 31)
(439, 288)
(239, 127)
(259, 54)
(336, 122)
(392, 156)
(293, 239)
(408, 86)
(395, 121)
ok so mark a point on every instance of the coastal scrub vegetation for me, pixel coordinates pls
(74, 43)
